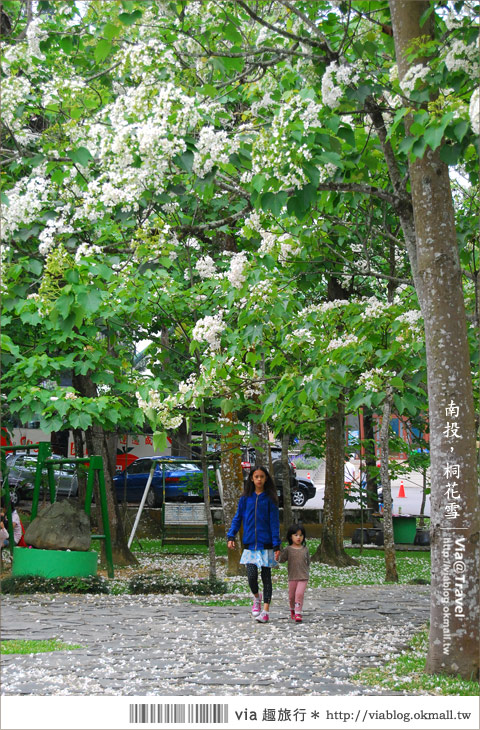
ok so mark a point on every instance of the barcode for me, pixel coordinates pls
(175, 713)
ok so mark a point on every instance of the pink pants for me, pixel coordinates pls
(296, 592)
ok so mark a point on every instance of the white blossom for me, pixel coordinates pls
(209, 329)
(474, 111)
(342, 342)
(236, 275)
(206, 267)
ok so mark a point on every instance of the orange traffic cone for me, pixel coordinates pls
(401, 491)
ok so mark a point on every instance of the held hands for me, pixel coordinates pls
(277, 555)
(231, 545)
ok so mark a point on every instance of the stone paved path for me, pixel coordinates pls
(164, 645)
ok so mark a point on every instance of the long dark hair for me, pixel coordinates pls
(270, 489)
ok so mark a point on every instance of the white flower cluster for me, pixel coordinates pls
(474, 111)
(60, 88)
(209, 329)
(335, 75)
(15, 89)
(288, 248)
(374, 308)
(206, 267)
(55, 227)
(411, 318)
(374, 379)
(236, 275)
(86, 250)
(213, 147)
(34, 35)
(164, 408)
(25, 200)
(344, 341)
(419, 72)
(301, 335)
(462, 57)
(70, 395)
(323, 307)
(260, 293)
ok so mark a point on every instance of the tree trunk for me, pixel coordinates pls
(391, 575)
(102, 444)
(454, 528)
(182, 441)
(331, 550)
(421, 522)
(206, 498)
(287, 492)
(370, 460)
(232, 480)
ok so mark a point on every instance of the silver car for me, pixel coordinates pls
(21, 468)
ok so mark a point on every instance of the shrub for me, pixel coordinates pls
(38, 584)
(159, 583)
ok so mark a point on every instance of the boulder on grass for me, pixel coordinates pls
(60, 526)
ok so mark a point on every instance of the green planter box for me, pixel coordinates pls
(404, 529)
(54, 563)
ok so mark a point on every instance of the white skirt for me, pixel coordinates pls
(260, 558)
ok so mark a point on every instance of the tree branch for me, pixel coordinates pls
(290, 36)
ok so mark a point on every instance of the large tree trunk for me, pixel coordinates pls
(206, 498)
(232, 480)
(391, 574)
(182, 441)
(102, 444)
(370, 460)
(454, 534)
(287, 492)
(331, 550)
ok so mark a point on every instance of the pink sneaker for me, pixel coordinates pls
(263, 617)
(257, 605)
(292, 614)
(298, 618)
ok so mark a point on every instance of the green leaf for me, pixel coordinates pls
(130, 18)
(450, 154)
(111, 30)
(81, 156)
(66, 44)
(8, 346)
(274, 202)
(160, 440)
(89, 300)
(102, 49)
(63, 304)
(461, 129)
(185, 161)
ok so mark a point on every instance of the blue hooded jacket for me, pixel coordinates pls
(261, 522)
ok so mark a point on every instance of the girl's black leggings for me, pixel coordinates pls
(266, 573)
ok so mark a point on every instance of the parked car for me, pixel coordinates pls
(304, 491)
(301, 489)
(21, 469)
(183, 481)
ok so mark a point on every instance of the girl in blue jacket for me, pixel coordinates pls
(258, 510)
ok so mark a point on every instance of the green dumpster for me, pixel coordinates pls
(404, 529)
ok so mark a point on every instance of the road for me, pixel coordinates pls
(408, 505)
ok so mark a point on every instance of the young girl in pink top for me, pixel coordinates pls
(298, 557)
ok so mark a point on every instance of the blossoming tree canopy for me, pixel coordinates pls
(235, 183)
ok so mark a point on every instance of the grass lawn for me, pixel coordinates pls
(406, 673)
(34, 646)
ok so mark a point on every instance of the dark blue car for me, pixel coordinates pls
(183, 481)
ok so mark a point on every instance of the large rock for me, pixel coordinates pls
(60, 526)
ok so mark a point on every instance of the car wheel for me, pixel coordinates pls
(298, 498)
(151, 500)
